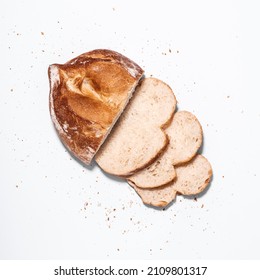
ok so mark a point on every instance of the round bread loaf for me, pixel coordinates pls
(87, 95)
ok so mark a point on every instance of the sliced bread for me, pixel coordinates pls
(158, 197)
(87, 95)
(191, 179)
(185, 135)
(138, 137)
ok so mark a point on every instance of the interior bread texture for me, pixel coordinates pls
(138, 138)
(159, 197)
(87, 96)
(185, 138)
(191, 179)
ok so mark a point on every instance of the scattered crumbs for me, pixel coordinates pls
(17, 186)
(43, 50)
(164, 53)
(163, 209)
(195, 199)
(118, 249)
(170, 50)
(202, 205)
(42, 33)
(223, 176)
(11, 89)
(113, 8)
(228, 96)
(85, 205)
(177, 51)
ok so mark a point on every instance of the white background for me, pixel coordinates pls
(53, 207)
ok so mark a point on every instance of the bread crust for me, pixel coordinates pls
(87, 95)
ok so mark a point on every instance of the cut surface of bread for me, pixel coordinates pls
(185, 135)
(87, 96)
(191, 179)
(138, 138)
(158, 197)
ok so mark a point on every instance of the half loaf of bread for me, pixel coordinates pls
(191, 179)
(87, 96)
(185, 134)
(138, 137)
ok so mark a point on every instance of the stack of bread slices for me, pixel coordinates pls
(102, 106)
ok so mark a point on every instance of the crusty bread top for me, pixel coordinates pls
(87, 95)
(138, 138)
(185, 134)
(191, 179)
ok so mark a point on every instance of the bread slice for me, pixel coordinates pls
(191, 179)
(158, 197)
(138, 137)
(87, 95)
(185, 134)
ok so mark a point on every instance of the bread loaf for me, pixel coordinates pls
(185, 135)
(87, 96)
(138, 137)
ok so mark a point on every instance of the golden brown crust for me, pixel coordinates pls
(87, 95)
